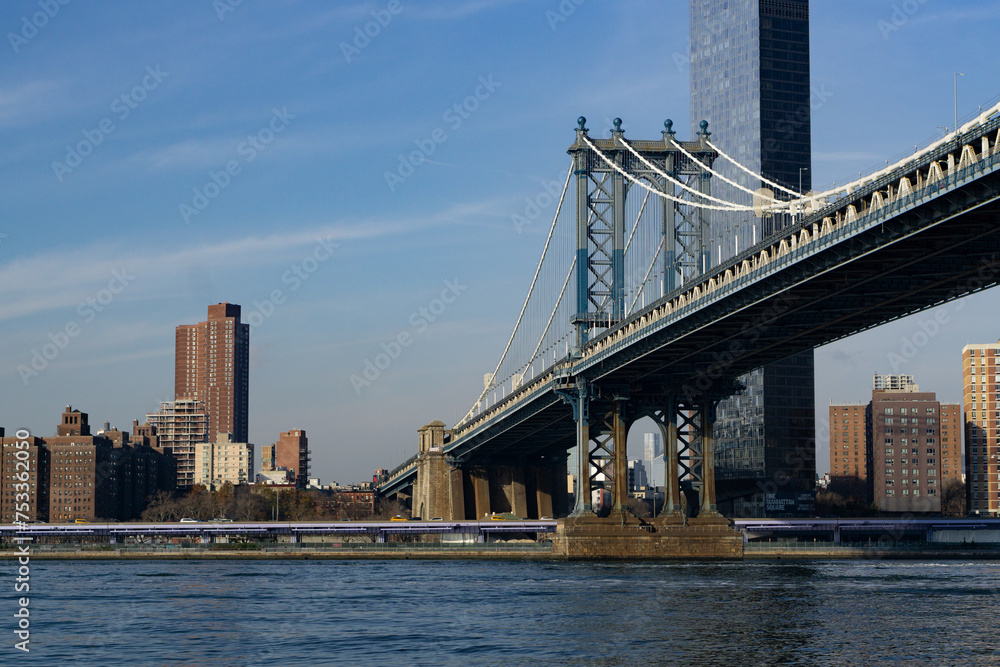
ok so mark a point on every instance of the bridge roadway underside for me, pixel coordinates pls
(939, 250)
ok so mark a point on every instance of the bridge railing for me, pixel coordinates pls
(506, 405)
(402, 467)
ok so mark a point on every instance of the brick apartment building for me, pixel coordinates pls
(75, 475)
(898, 451)
(290, 453)
(981, 419)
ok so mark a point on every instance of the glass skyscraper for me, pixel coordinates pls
(750, 81)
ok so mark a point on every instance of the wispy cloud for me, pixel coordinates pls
(190, 154)
(459, 10)
(65, 278)
(24, 103)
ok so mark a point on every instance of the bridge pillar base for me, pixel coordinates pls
(481, 493)
(518, 492)
(697, 538)
(543, 490)
(439, 490)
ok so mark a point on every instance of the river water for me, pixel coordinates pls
(507, 612)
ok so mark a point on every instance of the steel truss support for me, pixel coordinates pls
(687, 430)
(601, 193)
(695, 423)
(666, 420)
(577, 396)
(602, 448)
(609, 453)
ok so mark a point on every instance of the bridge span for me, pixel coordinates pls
(915, 235)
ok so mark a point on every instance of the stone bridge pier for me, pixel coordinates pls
(529, 488)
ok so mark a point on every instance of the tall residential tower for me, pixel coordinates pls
(212, 366)
(980, 376)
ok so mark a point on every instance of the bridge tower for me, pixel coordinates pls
(606, 171)
(601, 193)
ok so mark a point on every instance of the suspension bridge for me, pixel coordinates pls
(640, 307)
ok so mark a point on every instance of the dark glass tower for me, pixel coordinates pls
(750, 81)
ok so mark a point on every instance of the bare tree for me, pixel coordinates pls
(953, 498)
(638, 507)
(388, 509)
(161, 507)
(251, 506)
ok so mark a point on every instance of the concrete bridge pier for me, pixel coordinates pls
(525, 488)
(543, 491)
(518, 493)
(480, 502)
(438, 491)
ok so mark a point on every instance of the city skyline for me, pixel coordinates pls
(273, 179)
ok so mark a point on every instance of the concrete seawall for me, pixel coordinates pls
(583, 552)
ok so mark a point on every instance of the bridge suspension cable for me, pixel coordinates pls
(728, 206)
(696, 161)
(645, 278)
(821, 198)
(673, 180)
(555, 309)
(750, 172)
(636, 225)
(527, 299)
(734, 183)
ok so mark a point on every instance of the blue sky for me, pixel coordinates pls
(209, 155)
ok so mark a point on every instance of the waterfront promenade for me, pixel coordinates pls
(903, 538)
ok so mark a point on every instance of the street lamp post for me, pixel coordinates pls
(801, 169)
(649, 479)
(957, 74)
